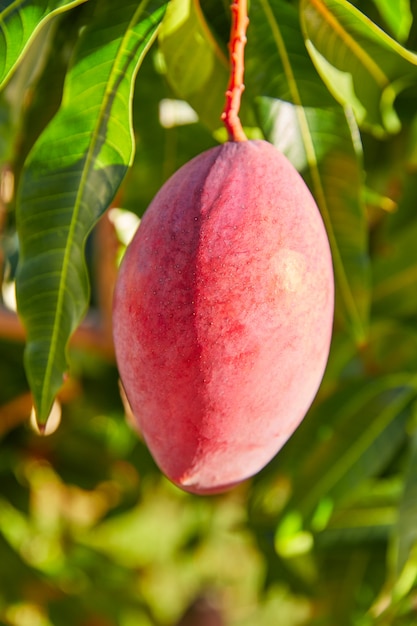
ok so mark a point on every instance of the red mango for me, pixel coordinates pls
(223, 314)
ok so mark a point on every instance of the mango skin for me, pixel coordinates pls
(223, 314)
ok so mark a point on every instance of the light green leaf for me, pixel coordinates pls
(70, 178)
(302, 119)
(360, 64)
(397, 15)
(196, 67)
(20, 21)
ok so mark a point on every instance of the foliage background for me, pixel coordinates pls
(90, 532)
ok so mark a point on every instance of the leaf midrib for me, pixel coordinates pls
(44, 407)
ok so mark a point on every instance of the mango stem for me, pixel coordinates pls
(237, 42)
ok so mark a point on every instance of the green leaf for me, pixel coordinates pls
(397, 15)
(395, 276)
(392, 347)
(369, 516)
(70, 178)
(7, 131)
(20, 21)
(406, 524)
(358, 525)
(360, 64)
(347, 439)
(276, 61)
(160, 150)
(302, 119)
(197, 68)
(36, 94)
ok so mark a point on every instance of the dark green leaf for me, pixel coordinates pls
(392, 347)
(276, 61)
(40, 93)
(395, 275)
(348, 438)
(406, 524)
(70, 178)
(358, 525)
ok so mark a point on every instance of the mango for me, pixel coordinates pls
(223, 312)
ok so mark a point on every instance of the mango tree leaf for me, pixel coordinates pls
(397, 16)
(395, 276)
(7, 131)
(276, 61)
(162, 145)
(369, 516)
(197, 67)
(392, 347)
(360, 64)
(405, 537)
(44, 83)
(219, 18)
(394, 266)
(347, 439)
(70, 178)
(358, 525)
(303, 120)
(20, 21)
(404, 214)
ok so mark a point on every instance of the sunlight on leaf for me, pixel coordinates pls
(20, 20)
(69, 180)
(197, 68)
(360, 64)
(397, 15)
(290, 538)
